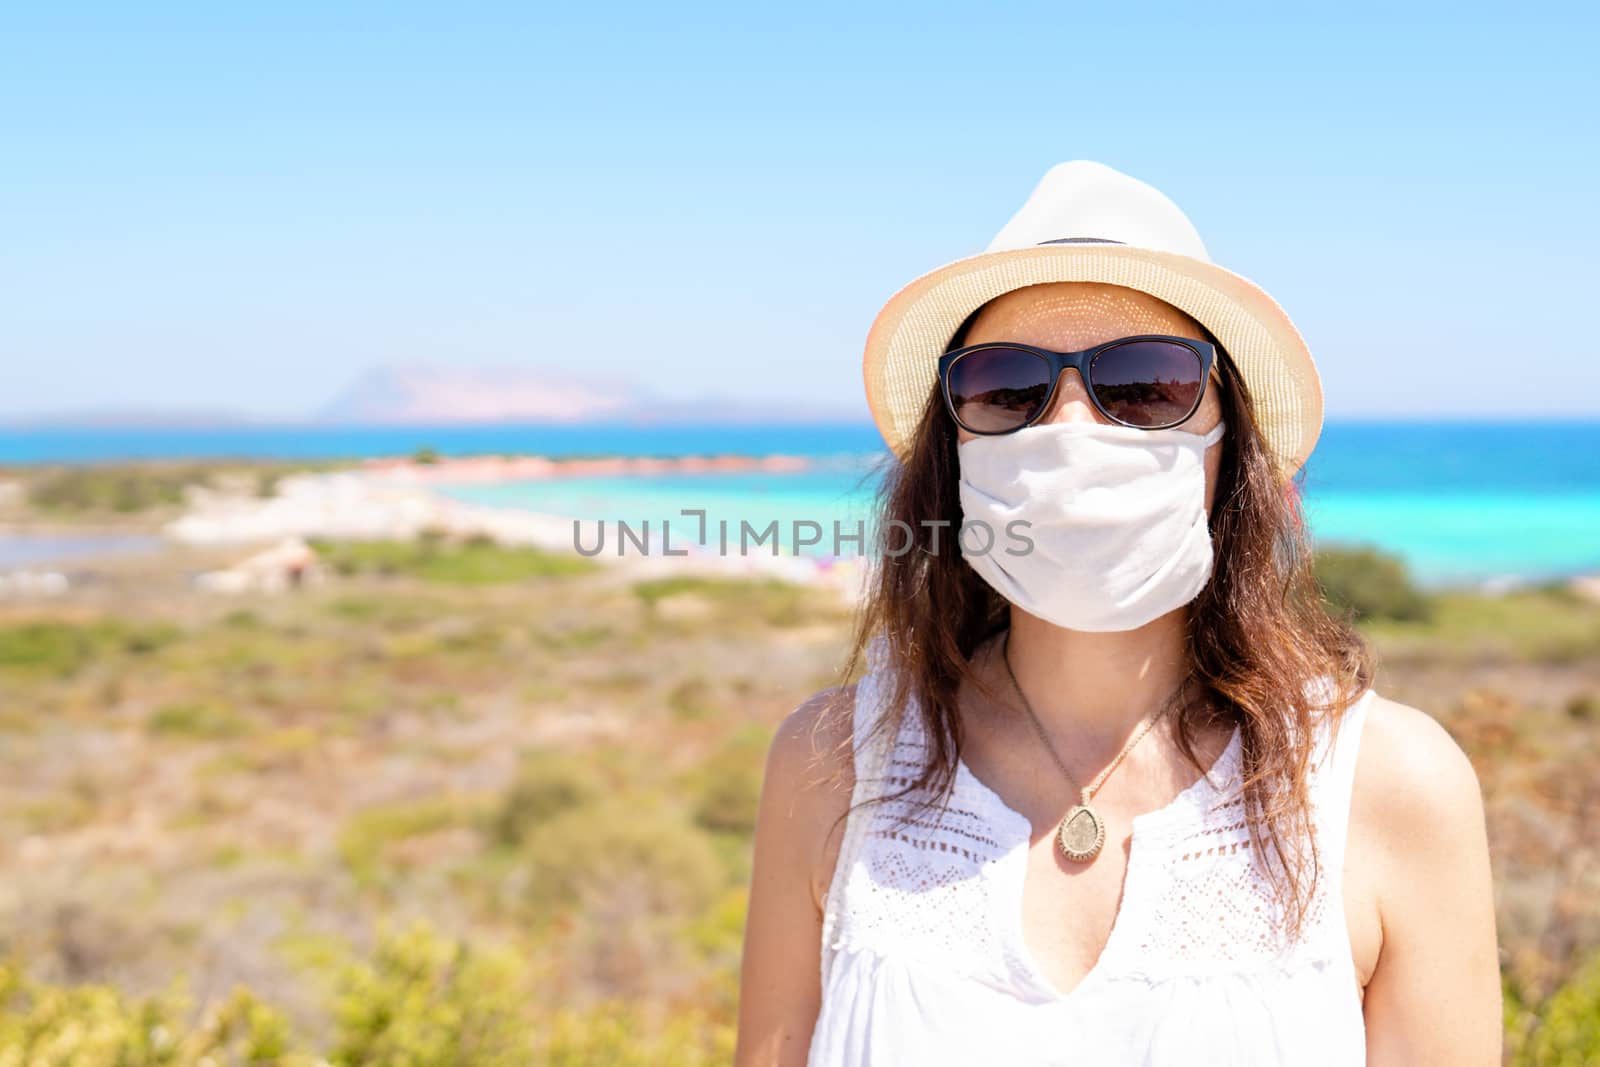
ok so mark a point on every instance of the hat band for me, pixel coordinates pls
(1072, 240)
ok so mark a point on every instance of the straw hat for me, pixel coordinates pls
(1087, 222)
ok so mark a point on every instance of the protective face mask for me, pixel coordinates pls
(1116, 518)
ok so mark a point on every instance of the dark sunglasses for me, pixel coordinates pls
(1148, 381)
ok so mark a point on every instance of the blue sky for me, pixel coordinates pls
(208, 207)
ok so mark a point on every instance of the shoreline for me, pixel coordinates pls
(397, 497)
(498, 468)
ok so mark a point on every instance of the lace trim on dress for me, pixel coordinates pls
(945, 886)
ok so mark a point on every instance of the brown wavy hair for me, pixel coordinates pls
(1261, 638)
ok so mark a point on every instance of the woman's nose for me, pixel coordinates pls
(1071, 402)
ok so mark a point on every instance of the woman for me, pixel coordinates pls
(1114, 788)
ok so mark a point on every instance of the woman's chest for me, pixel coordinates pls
(1184, 908)
(969, 889)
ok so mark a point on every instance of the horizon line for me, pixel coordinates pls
(133, 421)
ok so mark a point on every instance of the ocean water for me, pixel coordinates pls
(1462, 504)
(836, 495)
(35, 549)
(1461, 501)
(320, 441)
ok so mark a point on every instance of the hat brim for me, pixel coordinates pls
(913, 328)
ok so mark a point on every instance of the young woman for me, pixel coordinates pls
(1114, 788)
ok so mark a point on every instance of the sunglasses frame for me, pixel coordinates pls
(1083, 363)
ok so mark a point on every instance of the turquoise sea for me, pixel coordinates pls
(1461, 501)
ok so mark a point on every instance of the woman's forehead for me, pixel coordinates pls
(1074, 315)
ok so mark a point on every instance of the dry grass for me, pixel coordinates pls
(206, 785)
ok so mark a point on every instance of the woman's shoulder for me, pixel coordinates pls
(1416, 800)
(1410, 765)
(809, 779)
(818, 733)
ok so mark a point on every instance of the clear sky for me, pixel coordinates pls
(209, 207)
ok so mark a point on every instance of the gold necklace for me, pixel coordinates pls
(1082, 831)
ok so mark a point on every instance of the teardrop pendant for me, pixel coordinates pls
(1081, 834)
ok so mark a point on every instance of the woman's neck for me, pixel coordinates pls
(1095, 687)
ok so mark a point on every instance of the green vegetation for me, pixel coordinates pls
(197, 721)
(1564, 1031)
(369, 837)
(478, 561)
(1369, 584)
(1545, 626)
(693, 598)
(562, 770)
(635, 846)
(550, 783)
(121, 490)
(421, 1000)
(727, 787)
(426, 1000)
(61, 648)
(1541, 624)
(341, 752)
(98, 1026)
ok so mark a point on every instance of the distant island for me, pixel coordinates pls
(415, 394)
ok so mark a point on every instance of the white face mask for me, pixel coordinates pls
(1116, 517)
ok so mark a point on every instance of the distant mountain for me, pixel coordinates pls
(411, 393)
(415, 393)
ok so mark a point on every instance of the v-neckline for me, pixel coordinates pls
(1019, 841)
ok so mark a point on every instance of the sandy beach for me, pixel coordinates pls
(397, 499)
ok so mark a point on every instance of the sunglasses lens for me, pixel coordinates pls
(994, 390)
(1148, 383)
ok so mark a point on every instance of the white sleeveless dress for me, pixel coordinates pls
(924, 962)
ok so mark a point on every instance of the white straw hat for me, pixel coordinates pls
(1087, 222)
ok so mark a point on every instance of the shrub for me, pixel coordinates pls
(69, 490)
(1368, 584)
(691, 700)
(60, 649)
(98, 1026)
(1568, 1028)
(548, 784)
(368, 836)
(422, 1000)
(46, 648)
(730, 783)
(433, 558)
(612, 1034)
(666, 863)
(425, 999)
(197, 721)
(774, 601)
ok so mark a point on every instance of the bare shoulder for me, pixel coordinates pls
(1409, 763)
(1416, 794)
(809, 777)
